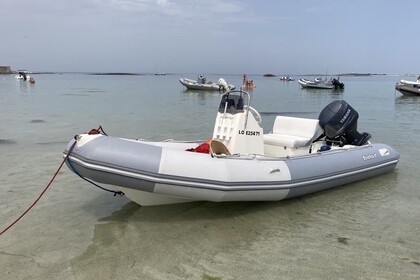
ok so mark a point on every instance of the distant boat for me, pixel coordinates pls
(160, 74)
(286, 78)
(202, 84)
(409, 87)
(23, 75)
(318, 83)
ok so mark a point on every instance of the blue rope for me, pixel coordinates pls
(89, 181)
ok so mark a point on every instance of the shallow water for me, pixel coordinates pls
(365, 230)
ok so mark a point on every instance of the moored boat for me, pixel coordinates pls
(318, 83)
(409, 87)
(286, 78)
(202, 84)
(23, 75)
(240, 162)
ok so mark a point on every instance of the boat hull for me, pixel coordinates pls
(309, 84)
(408, 89)
(191, 84)
(159, 173)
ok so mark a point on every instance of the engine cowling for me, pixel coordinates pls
(339, 123)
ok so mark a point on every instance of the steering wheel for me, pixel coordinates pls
(255, 113)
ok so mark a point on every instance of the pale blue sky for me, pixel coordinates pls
(214, 36)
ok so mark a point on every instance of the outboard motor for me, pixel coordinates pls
(223, 85)
(339, 123)
(337, 84)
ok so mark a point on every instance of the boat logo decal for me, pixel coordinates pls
(247, 132)
(384, 152)
(343, 119)
(368, 157)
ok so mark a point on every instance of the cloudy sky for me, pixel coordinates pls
(211, 36)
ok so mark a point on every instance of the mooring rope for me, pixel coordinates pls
(66, 158)
(89, 181)
(43, 192)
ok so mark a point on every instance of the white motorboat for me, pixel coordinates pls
(240, 162)
(409, 87)
(23, 75)
(202, 84)
(286, 78)
(321, 84)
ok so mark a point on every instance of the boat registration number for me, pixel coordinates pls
(248, 132)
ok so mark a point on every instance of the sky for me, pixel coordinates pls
(212, 36)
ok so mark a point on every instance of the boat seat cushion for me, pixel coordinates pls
(285, 140)
(293, 132)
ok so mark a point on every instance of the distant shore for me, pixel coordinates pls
(6, 70)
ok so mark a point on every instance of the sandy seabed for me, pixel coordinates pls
(79, 232)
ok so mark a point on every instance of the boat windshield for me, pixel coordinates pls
(232, 103)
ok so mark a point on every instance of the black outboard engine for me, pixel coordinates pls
(337, 84)
(339, 123)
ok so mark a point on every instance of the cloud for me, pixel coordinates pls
(226, 8)
(179, 9)
(163, 3)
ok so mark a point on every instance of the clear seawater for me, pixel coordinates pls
(365, 230)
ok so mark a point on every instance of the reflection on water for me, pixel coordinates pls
(37, 121)
(25, 87)
(76, 94)
(407, 110)
(7, 141)
(408, 100)
(336, 93)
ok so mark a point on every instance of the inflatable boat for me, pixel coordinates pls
(318, 83)
(202, 84)
(409, 87)
(239, 163)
